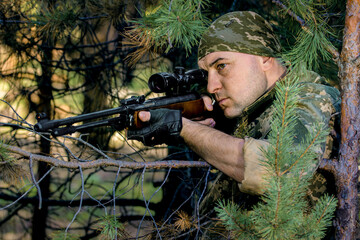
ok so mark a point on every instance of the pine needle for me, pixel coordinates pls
(10, 172)
(111, 228)
(59, 22)
(142, 40)
(176, 23)
(184, 222)
(62, 235)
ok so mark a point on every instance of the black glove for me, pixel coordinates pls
(164, 127)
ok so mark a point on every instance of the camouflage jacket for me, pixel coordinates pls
(318, 102)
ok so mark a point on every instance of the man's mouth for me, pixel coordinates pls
(222, 101)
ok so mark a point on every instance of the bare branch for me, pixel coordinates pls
(85, 164)
(68, 203)
(34, 180)
(146, 207)
(81, 200)
(22, 196)
(198, 202)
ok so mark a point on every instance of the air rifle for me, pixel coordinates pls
(179, 94)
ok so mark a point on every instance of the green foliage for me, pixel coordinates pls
(317, 222)
(4, 153)
(312, 43)
(175, 23)
(10, 172)
(111, 228)
(311, 34)
(238, 222)
(284, 151)
(62, 235)
(284, 212)
(59, 21)
(114, 9)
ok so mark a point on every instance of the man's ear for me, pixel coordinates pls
(267, 63)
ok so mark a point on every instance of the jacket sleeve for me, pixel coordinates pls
(316, 104)
(254, 173)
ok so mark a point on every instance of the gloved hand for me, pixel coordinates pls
(164, 126)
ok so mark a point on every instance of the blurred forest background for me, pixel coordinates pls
(69, 57)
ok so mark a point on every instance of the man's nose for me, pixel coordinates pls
(214, 83)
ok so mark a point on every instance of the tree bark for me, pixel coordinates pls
(347, 172)
(40, 216)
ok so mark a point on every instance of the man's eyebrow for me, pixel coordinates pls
(215, 61)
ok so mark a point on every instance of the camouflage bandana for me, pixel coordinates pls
(245, 32)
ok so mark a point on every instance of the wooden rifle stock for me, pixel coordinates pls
(190, 109)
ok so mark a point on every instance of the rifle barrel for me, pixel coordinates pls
(45, 125)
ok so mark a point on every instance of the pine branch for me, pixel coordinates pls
(61, 235)
(321, 217)
(326, 209)
(291, 13)
(239, 223)
(111, 228)
(329, 47)
(277, 146)
(303, 154)
(175, 23)
(228, 209)
(10, 171)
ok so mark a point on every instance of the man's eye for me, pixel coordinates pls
(221, 66)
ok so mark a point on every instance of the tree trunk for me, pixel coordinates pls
(347, 172)
(97, 81)
(39, 220)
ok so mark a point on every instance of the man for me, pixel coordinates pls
(239, 52)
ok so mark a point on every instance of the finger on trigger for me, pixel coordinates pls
(208, 103)
(144, 116)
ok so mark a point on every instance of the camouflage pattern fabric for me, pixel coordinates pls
(318, 102)
(245, 32)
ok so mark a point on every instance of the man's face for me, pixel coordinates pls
(235, 79)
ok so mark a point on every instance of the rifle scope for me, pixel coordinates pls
(177, 82)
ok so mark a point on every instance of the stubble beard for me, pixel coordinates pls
(261, 86)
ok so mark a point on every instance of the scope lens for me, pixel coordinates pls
(161, 82)
(156, 83)
(175, 83)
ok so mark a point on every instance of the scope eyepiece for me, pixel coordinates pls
(177, 82)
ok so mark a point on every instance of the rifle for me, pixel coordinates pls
(179, 94)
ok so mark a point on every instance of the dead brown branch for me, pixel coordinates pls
(85, 164)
